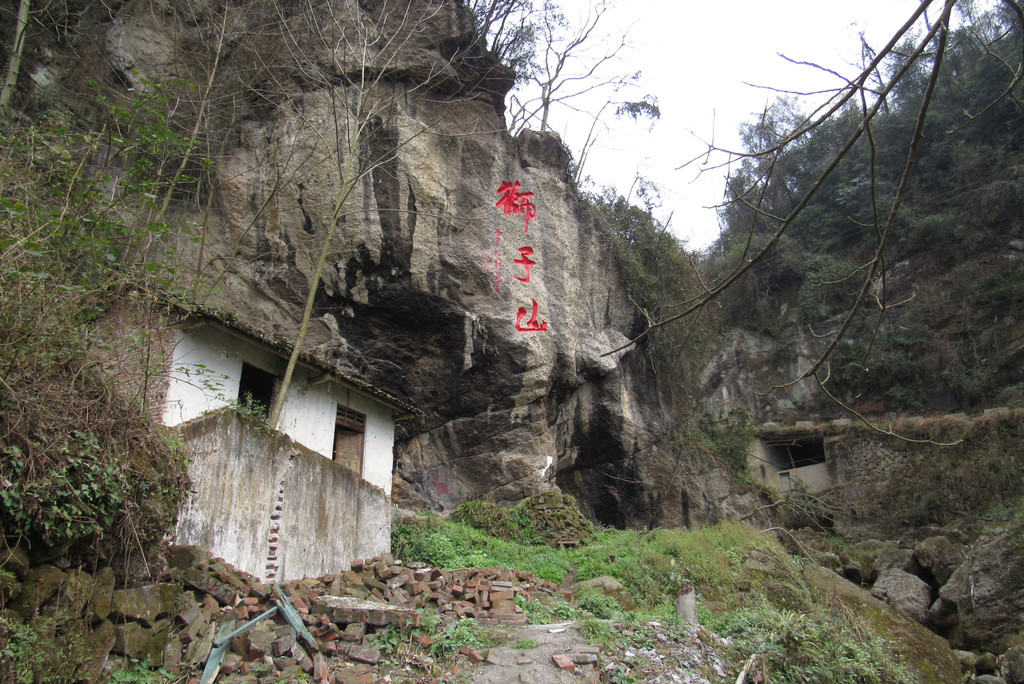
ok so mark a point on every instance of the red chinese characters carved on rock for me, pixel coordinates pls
(494, 261)
(514, 202)
(531, 325)
(526, 262)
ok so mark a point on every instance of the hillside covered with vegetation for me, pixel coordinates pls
(917, 278)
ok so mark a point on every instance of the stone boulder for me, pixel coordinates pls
(40, 585)
(982, 604)
(895, 556)
(928, 655)
(906, 593)
(609, 586)
(859, 560)
(146, 604)
(940, 557)
(1011, 665)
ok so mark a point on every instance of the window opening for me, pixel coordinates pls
(256, 386)
(349, 432)
(795, 453)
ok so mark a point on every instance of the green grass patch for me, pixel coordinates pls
(798, 647)
(772, 614)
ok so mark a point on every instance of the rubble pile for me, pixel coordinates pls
(205, 599)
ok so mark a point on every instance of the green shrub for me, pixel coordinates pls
(599, 605)
(495, 520)
(465, 632)
(596, 631)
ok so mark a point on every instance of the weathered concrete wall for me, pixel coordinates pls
(250, 485)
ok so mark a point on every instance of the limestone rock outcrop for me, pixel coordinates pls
(425, 279)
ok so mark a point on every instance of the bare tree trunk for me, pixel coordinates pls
(349, 179)
(17, 50)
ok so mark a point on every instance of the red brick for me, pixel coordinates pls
(231, 663)
(328, 633)
(354, 631)
(321, 675)
(401, 578)
(364, 654)
(189, 615)
(473, 655)
(300, 605)
(563, 662)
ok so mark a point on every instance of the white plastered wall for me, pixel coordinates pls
(205, 370)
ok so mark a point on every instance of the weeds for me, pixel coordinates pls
(79, 460)
(800, 647)
(461, 633)
(773, 613)
(598, 632)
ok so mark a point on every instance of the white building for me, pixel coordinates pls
(214, 365)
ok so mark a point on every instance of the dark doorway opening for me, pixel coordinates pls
(256, 386)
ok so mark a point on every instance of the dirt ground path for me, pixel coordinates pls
(508, 665)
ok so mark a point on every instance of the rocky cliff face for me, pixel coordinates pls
(425, 274)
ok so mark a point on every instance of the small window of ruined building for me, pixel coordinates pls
(256, 387)
(349, 430)
(797, 452)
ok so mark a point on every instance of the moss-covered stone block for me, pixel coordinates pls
(146, 604)
(10, 587)
(100, 600)
(15, 560)
(40, 585)
(142, 643)
(927, 655)
(74, 593)
(98, 643)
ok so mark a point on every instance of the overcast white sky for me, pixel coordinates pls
(696, 57)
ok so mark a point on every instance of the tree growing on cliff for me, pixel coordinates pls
(17, 50)
(571, 62)
(508, 29)
(356, 70)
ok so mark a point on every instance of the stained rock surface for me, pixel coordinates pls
(501, 325)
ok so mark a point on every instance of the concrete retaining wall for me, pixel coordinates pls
(250, 485)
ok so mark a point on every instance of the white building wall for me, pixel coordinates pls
(204, 376)
(378, 442)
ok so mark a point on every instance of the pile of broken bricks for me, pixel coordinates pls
(339, 611)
